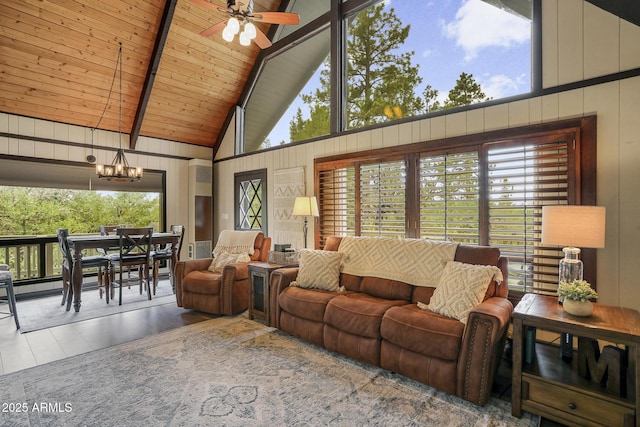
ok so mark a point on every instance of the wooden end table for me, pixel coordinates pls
(259, 290)
(559, 389)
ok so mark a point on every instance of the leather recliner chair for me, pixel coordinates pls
(223, 293)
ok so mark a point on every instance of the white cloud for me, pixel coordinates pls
(478, 25)
(427, 53)
(501, 86)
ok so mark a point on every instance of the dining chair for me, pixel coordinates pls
(135, 250)
(99, 261)
(165, 253)
(6, 283)
(107, 230)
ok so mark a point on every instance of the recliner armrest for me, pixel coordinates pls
(280, 280)
(185, 267)
(481, 349)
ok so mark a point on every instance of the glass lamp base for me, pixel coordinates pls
(571, 268)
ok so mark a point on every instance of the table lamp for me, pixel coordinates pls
(306, 207)
(573, 226)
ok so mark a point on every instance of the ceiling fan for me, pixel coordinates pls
(242, 16)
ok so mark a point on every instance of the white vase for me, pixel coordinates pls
(578, 308)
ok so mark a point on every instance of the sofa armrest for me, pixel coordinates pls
(481, 350)
(185, 267)
(280, 279)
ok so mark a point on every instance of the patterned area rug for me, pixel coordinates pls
(234, 372)
(42, 313)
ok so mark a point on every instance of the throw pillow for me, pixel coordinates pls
(225, 258)
(461, 287)
(319, 270)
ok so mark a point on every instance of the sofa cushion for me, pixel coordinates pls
(308, 304)
(422, 294)
(202, 282)
(423, 332)
(358, 313)
(350, 282)
(385, 288)
(480, 255)
(319, 270)
(224, 258)
(461, 287)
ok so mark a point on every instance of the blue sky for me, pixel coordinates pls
(454, 36)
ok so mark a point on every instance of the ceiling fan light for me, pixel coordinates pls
(227, 35)
(250, 29)
(233, 25)
(245, 40)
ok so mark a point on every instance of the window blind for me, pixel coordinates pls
(522, 177)
(449, 197)
(382, 199)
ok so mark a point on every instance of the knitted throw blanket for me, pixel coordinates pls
(236, 242)
(414, 261)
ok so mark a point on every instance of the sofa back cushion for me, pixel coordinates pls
(350, 282)
(385, 288)
(422, 294)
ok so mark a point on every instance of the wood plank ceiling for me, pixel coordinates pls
(58, 57)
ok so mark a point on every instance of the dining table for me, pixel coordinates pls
(79, 243)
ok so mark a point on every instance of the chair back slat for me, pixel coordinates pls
(135, 243)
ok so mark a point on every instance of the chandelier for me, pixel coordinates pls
(119, 169)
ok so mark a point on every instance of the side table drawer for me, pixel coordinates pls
(573, 405)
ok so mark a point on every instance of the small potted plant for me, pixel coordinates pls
(577, 295)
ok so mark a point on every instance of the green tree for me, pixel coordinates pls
(41, 211)
(466, 92)
(380, 81)
(431, 102)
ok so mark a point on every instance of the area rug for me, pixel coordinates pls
(42, 313)
(234, 372)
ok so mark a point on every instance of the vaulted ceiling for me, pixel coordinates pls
(58, 57)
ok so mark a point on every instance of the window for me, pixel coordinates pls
(484, 189)
(413, 57)
(275, 113)
(392, 60)
(449, 197)
(524, 175)
(382, 199)
(251, 200)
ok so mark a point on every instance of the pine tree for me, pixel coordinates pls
(466, 92)
(380, 82)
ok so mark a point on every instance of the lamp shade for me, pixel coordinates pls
(571, 225)
(305, 206)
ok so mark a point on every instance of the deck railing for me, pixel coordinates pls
(32, 259)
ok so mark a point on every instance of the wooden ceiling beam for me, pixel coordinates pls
(163, 32)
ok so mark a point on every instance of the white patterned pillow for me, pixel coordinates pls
(319, 270)
(461, 287)
(225, 258)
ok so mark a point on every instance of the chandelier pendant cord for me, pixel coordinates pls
(106, 104)
(119, 170)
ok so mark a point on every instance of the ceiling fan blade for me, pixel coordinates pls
(212, 30)
(261, 40)
(284, 18)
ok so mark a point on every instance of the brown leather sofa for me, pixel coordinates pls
(223, 293)
(377, 321)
